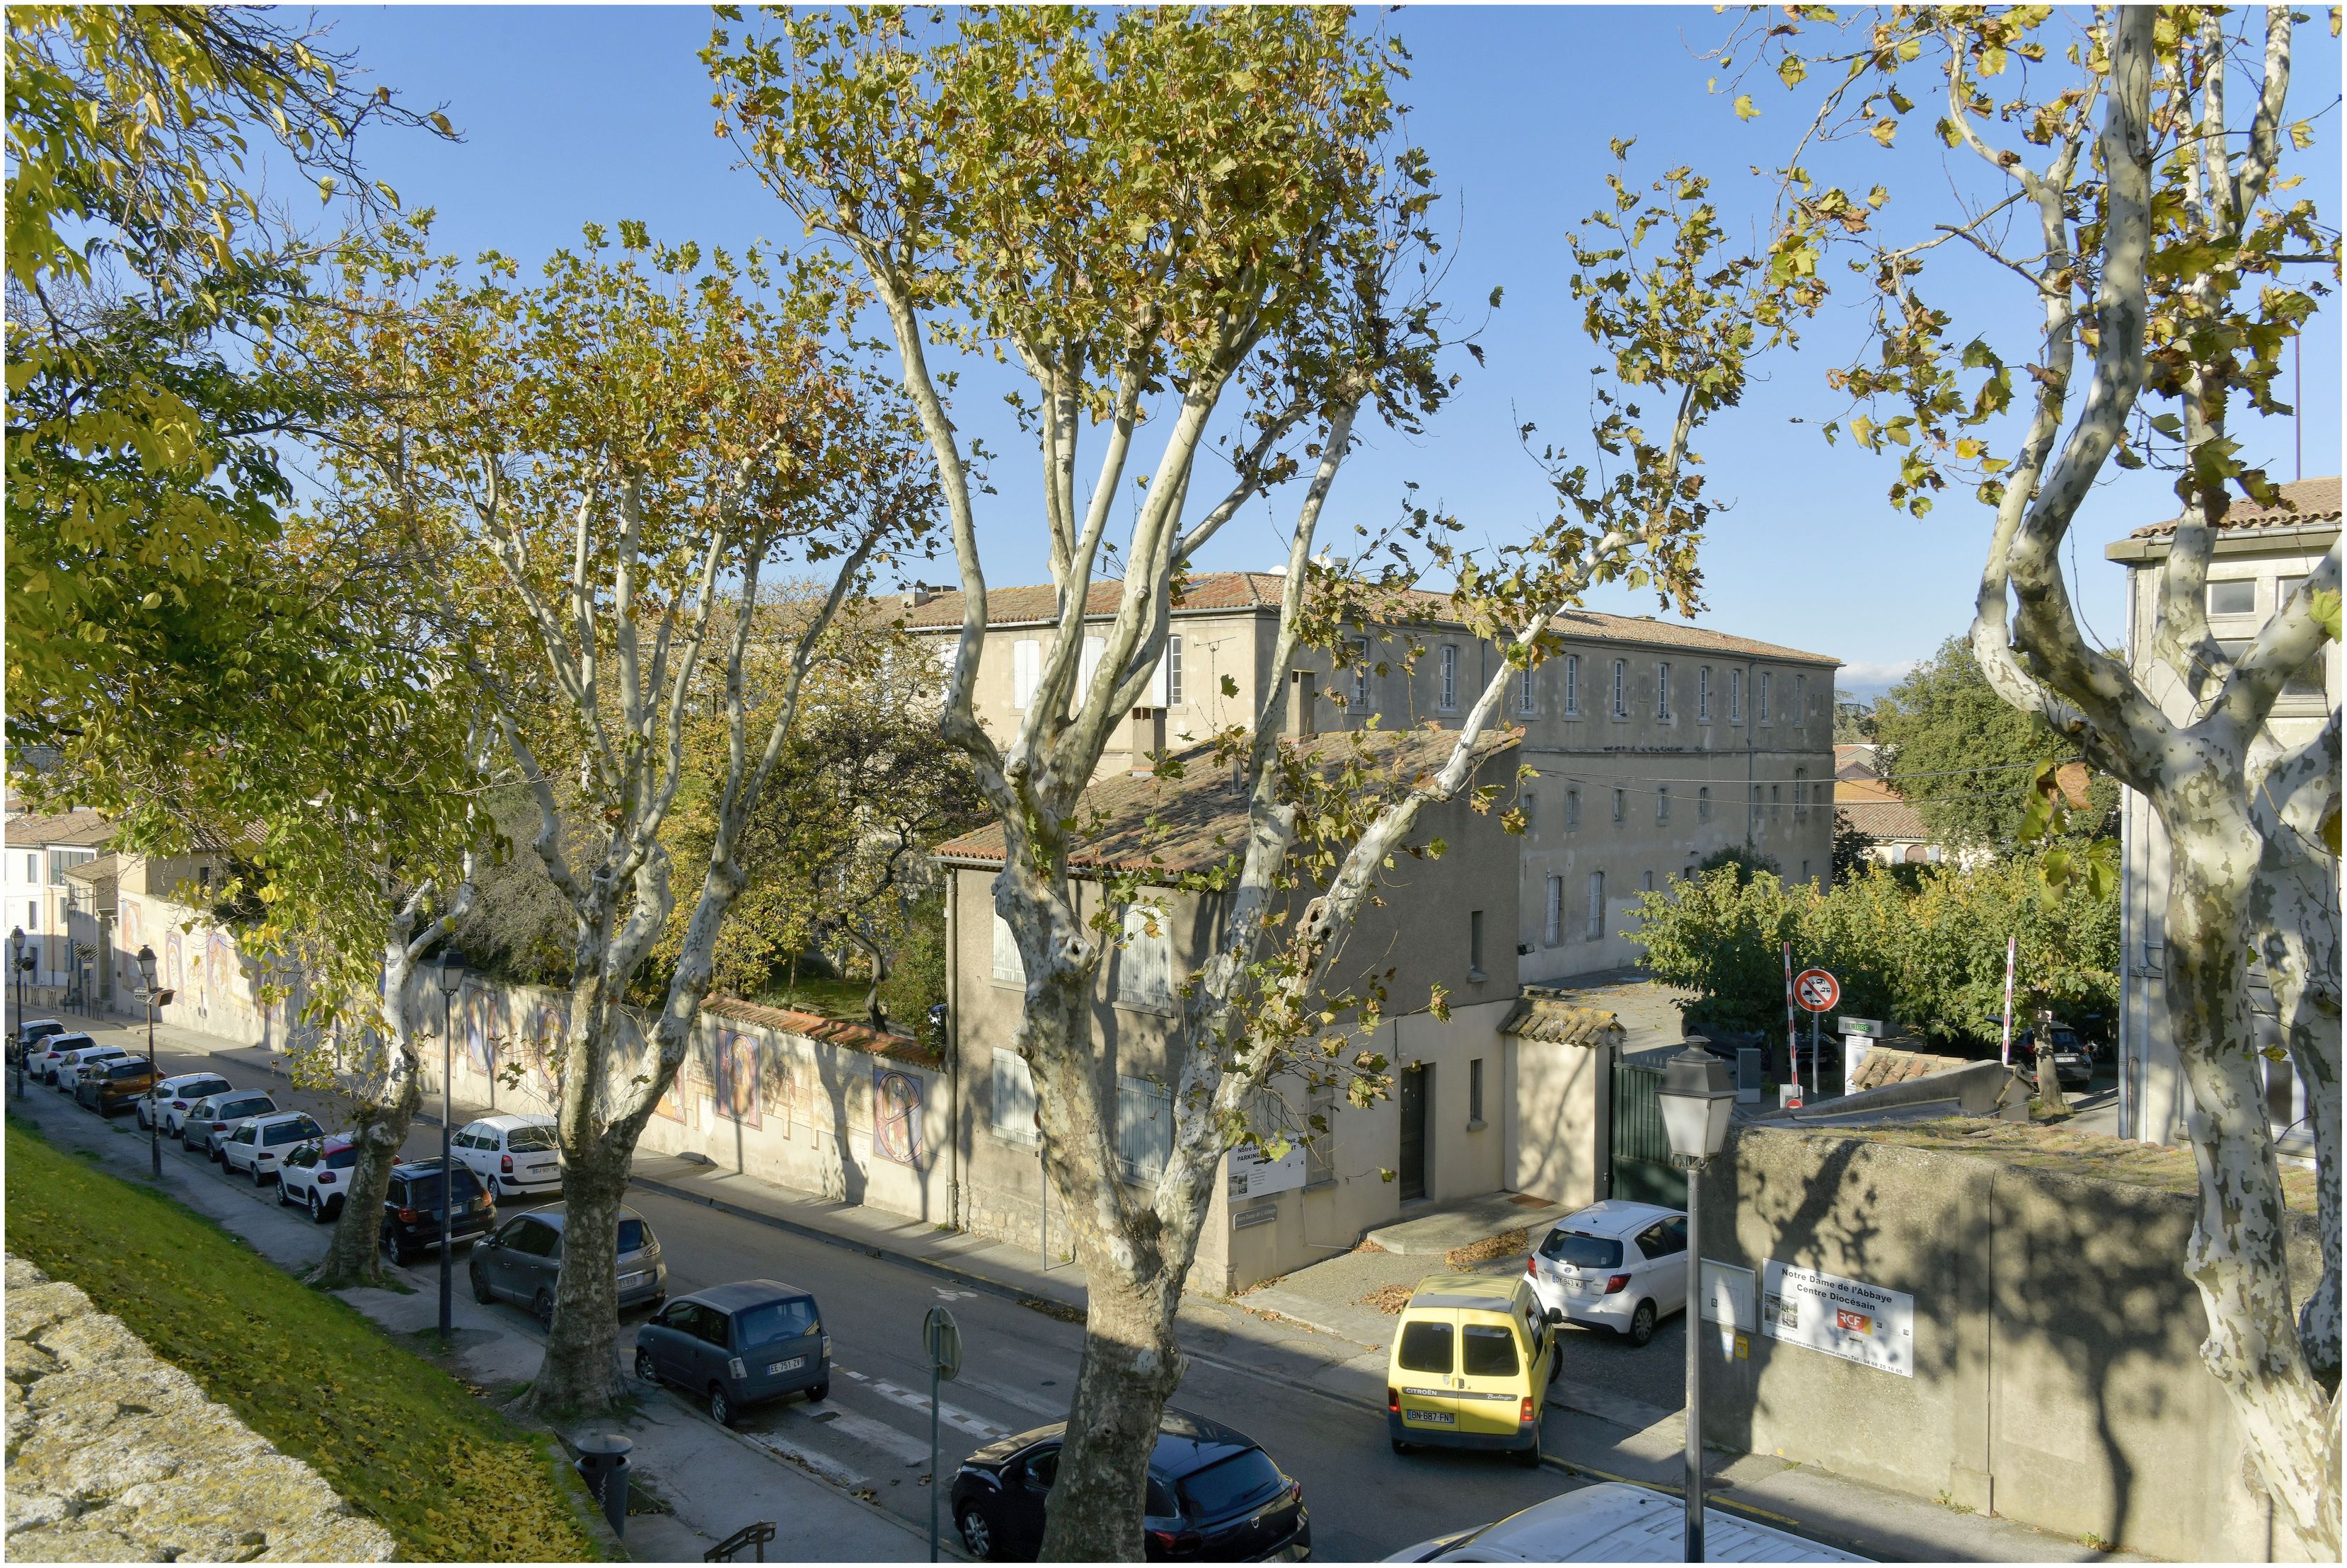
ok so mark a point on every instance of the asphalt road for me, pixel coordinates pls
(1019, 1371)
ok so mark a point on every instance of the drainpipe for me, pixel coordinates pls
(1751, 778)
(2126, 910)
(953, 1050)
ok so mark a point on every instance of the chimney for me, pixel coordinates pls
(1145, 733)
(920, 594)
(1303, 720)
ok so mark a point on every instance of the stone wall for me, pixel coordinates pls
(115, 1456)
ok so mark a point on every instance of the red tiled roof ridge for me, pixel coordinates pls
(814, 1025)
(2315, 500)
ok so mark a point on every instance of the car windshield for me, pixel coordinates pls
(1576, 1250)
(772, 1320)
(340, 1160)
(1426, 1347)
(632, 1236)
(1490, 1351)
(530, 1140)
(1226, 1486)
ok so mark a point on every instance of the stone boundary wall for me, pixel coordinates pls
(2056, 1378)
(115, 1456)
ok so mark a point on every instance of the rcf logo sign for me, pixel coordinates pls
(1851, 1322)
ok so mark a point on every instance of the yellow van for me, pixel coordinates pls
(1472, 1359)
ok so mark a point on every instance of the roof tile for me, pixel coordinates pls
(2304, 501)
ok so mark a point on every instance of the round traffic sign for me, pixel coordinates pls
(941, 1338)
(1816, 990)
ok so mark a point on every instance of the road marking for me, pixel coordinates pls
(952, 1416)
(1038, 1404)
(865, 1429)
(824, 1465)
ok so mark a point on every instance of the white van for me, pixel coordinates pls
(1616, 1523)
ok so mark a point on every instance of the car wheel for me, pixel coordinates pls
(282, 1199)
(317, 1209)
(978, 1533)
(1529, 1455)
(1555, 1361)
(393, 1248)
(817, 1393)
(647, 1370)
(219, 1154)
(259, 1176)
(542, 1308)
(481, 1291)
(721, 1408)
(1642, 1325)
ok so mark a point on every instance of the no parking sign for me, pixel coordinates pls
(1817, 990)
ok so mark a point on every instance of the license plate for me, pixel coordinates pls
(1436, 1418)
(793, 1365)
(1582, 1285)
(628, 1281)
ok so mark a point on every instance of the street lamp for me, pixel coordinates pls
(1695, 1099)
(452, 980)
(152, 998)
(17, 971)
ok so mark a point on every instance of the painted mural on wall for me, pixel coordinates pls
(896, 1115)
(736, 1089)
(130, 923)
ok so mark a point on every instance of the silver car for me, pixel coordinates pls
(213, 1118)
(520, 1260)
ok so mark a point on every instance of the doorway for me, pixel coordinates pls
(1412, 1168)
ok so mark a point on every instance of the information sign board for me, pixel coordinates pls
(1845, 1318)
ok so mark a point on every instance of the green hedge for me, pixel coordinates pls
(451, 1479)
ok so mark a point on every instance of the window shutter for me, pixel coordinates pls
(1145, 965)
(1144, 1127)
(1094, 648)
(1173, 671)
(1160, 680)
(1008, 965)
(1596, 906)
(1014, 1096)
(1026, 671)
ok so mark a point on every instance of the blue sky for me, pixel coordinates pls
(578, 114)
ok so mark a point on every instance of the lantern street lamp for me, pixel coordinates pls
(16, 972)
(1695, 1099)
(152, 998)
(452, 980)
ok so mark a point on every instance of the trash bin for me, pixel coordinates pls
(603, 1465)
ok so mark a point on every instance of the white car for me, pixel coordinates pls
(316, 1175)
(43, 1060)
(1615, 1264)
(515, 1156)
(215, 1116)
(255, 1147)
(68, 1075)
(1613, 1521)
(170, 1100)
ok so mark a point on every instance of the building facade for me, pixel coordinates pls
(2261, 555)
(41, 851)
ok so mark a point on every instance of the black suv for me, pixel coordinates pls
(410, 1208)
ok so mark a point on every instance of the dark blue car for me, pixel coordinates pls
(738, 1345)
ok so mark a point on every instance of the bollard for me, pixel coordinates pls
(603, 1464)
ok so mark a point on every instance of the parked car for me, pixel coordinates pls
(1615, 1264)
(67, 1074)
(2073, 1059)
(738, 1345)
(1213, 1496)
(514, 1156)
(316, 1175)
(31, 1033)
(257, 1147)
(410, 1208)
(106, 1086)
(1472, 1362)
(1613, 1521)
(168, 1101)
(519, 1261)
(215, 1116)
(41, 1062)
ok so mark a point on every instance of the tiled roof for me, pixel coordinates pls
(1868, 788)
(1854, 762)
(1886, 819)
(2306, 501)
(1230, 590)
(1141, 821)
(68, 828)
(831, 1031)
(101, 869)
(1543, 1015)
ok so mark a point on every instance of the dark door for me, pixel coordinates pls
(1031, 1495)
(1412, 1169)
(1642, 1166)
(670, 1336)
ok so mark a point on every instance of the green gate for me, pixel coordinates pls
(1642, 1150)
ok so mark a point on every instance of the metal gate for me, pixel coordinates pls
(1641, 1149)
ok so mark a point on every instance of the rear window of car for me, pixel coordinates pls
(426, 1189)
(1426, 1347)
(291, 1131)
(253, 1107)
(1160, 1503)
(206, 1086)
(1227, 1486)
(340, 1160)
(530, 1140)
(632, 1236)
(132, 1068)
(1490, 1351)
(772, 1320)
(1579, 1251)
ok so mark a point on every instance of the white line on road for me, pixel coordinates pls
(864, 1430)
(952, 1416)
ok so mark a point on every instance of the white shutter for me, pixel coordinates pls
(1014, 1096)
(1159, 697)
(1144, 969)
(1026, 670)
(1144, 1127)
(1094, 648)
(948, 660)
(1009, 966)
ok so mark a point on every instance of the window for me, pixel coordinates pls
(1761, 699)
(1801, 795)
(2238, 596)
(1703, 694)
(1490, 1351)
(1532, 815)
(1703, 803)
(1555, 931)
(60, 859)
(1475, 944)
(1014, 1097)
(1095, 647)
(774, 1322)
(1026, 671)
(1736, 696)
(1596, 906)
(1662, 689)
(1426, 1347)
(1009, 969)
(2284, 587)
(948, 663)
(1649, 882)
(1776, 803)
(1663, 803)
(1805, 871)
(1172, 671)
(1144, 1127)
(1621, 688)
(1573, 684)
(1573, 806)
(1450, 697)
(1576, 1249)
(1524, 689)
(1621, 804)
(1663, 1239)
(1144, 964)
(33, 869)
(1801, 699)
(1475, 1092)
(1245, 1480)
(1320, 1140)
(1361, 670)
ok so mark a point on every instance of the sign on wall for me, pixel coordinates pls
(1845, 1318)
(1253, 1176)
(896, 1115)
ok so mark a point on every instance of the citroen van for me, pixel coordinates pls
(1472, 1359)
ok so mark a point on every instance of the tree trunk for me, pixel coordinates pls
(353, 1256)
(579, 1372)
(1131, 1365)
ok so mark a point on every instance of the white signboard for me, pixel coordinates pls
(1846, 1317)
(1253, 1176)
(1727, 1295)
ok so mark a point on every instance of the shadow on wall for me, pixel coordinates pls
(2056, 1374)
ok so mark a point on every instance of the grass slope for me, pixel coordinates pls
(451, 1479)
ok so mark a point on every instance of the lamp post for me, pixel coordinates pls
(1695, 1101)
(152, 998)
(17, 971)
(452, 979)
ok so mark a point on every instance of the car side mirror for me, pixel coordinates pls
(1553, 1316)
